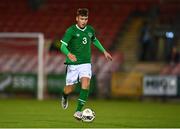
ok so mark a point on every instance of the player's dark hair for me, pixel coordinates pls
(82, 12)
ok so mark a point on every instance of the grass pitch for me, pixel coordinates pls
(109, 114)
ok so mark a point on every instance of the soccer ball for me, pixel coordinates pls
(88, 115)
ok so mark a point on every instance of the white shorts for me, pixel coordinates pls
(76, 72)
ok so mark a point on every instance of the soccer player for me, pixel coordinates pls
(76, 45)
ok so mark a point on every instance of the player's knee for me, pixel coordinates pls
(85, 82)
(68, 89)
(85, 85)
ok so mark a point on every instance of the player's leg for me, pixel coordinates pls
(83, 93)
(71, 79)
(85, 76)
(82, 97)
(64, 100)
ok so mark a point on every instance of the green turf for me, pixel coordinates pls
(119, 114)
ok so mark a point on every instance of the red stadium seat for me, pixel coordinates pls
(55, 16)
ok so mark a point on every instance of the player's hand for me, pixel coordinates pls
(72, 57)
(108, 56)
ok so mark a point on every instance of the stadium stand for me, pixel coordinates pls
(169, 12)
(53, 17)
(168, 18)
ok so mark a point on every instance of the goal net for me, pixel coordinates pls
(22, 63)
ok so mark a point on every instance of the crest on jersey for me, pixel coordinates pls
(90, 35)
(77, 35)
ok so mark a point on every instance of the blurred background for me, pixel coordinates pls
(142, 35)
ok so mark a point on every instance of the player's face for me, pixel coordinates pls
(82, 21)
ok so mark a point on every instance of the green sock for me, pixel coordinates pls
(82, 99)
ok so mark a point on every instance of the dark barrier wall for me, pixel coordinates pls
(17, 83)
(56, 82)
(27, 83)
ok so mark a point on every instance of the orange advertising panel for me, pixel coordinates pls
(126, 84)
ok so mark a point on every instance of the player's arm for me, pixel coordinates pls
(65, 51)
(99, 45)
(101, 48)
(65, 40)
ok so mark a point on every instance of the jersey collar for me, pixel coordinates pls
(80, 28)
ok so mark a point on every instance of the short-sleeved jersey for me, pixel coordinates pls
(78, 42)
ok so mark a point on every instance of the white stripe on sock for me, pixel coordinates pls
(81, 100)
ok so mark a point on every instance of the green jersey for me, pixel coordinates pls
(78, 42)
